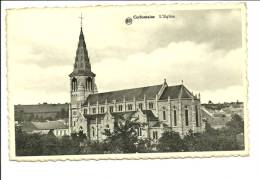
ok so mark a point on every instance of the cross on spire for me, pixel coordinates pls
(81, 18)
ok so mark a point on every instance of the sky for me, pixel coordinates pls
(201, 47)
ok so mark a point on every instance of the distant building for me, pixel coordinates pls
(160, 107)
(59, 128)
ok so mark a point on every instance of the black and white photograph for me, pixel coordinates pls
(126, 82)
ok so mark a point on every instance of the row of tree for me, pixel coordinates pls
(124, 139)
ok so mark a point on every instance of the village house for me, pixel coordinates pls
(59, 128)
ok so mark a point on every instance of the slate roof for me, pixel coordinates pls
(30, 126)
(150, 115)
(93, 117)
(82, 65)
(150, 92)
(175, 92)
(139, 93)
(123, 115)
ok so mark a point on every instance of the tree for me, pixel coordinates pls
(211, 140)
(236, 125)
(95, 147)
(124, 138)
(27, 144)
(68, 146)
(50, 143)
(200, 141)
(144, 146)
(170, 142)
(51, 133)
(81, 136)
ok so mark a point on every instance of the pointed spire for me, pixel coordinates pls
(82, 64)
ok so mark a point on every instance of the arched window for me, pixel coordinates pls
(89, 84)
(120, 107)
(175, 116)
(164, 115)
(139, 131)
(86, 84)
(155, 135)
(93, 132)
(186, 116)
(197, 116)
(140, 105)
(111, 109)
(150, 105)
(74, 84)
(129, 107)
(102, 109)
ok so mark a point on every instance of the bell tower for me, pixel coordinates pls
(82, 79)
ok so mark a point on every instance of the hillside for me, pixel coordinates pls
(41, 112)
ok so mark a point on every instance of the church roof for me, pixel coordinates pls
(129, 94)
(123, 115)
(150, 115)
(92, 118)
(150, 92)
(174, 92)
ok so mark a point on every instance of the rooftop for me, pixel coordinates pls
(30, 126)
(148, 92)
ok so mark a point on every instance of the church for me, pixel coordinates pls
(160, 107)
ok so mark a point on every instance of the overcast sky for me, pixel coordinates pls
(201, 47)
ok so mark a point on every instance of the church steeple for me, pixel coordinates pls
(82, 79)
(82, 65)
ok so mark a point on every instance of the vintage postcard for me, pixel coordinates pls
(127, 82)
